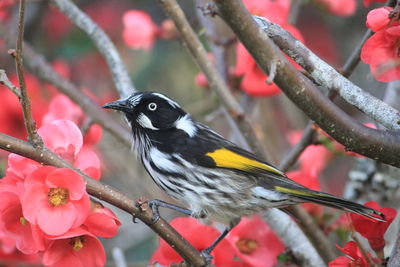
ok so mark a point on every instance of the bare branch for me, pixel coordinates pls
(6, 82)
(380, 145)
(30, 125)
(328, 77)
(107, 194)
(103, 43)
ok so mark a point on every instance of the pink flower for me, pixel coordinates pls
(353, 257)
(371, 229)
(55, 199)
(20, 167)
(381, 50)
(255, 243)
(102, 221)
(201, 237)
(339, 7)
(65, 139)
(77, 248)
(28, 237)
(139, 30)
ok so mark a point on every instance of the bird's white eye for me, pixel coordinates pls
(152, 106)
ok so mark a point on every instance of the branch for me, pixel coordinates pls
(172, 9)
(379, 145)
(109, 195)
(6, 82)
(103, 43)
(38, 65)
(30, 126)
(328, 77)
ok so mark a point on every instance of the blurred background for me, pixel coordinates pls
(165, 66)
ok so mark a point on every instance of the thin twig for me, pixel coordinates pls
(33, 136)
(6, 82)
(108, 194)
(117, 68)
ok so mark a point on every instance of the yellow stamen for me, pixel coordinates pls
(58, 196)
(246, 246)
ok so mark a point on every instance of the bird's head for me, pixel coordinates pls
(150, 111)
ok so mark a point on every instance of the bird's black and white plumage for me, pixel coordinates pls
(207, 173)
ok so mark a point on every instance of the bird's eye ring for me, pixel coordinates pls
(152, 106)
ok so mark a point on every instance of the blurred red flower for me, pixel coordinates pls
(77, 248)
(368, 2)
(380, 51)
(371, 229)
(139, 30)
(4, 7)
(310, 181)
(201, 237)
(353, 257)
(275, 10)
(339, 7)
(55, 199)
(255, 243)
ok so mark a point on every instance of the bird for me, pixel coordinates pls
(208, 174)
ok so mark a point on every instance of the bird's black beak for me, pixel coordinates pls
(121, 105)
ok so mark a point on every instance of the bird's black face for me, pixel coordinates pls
(151, 111)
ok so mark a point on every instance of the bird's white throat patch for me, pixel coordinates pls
(145, 122)
(185, 124)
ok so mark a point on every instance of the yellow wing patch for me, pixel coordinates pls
(225, 158)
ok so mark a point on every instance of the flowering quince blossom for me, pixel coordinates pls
(55, 199)
(382, 48)
(102, 221)
(339, 7)
(255, 243)
(353, 257)
(28, 237)
(200, 236)
(77, 247)
(371, 229)
(254, 79)
(139, 30)
(65, 139)
(61, 107)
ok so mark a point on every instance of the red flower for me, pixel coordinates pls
(381, 50)
(371, 229)
(276, 11)
(314, 158)
(28, 238)
(368, 2)
(354, 257)
(310, 181)
(77, 248)
(139, 30)
(65, 139)
(255, 243)
(200, 236)
(102, 221)
(55, 199)
(339, 7)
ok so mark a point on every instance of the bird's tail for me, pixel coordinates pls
(325, 199)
